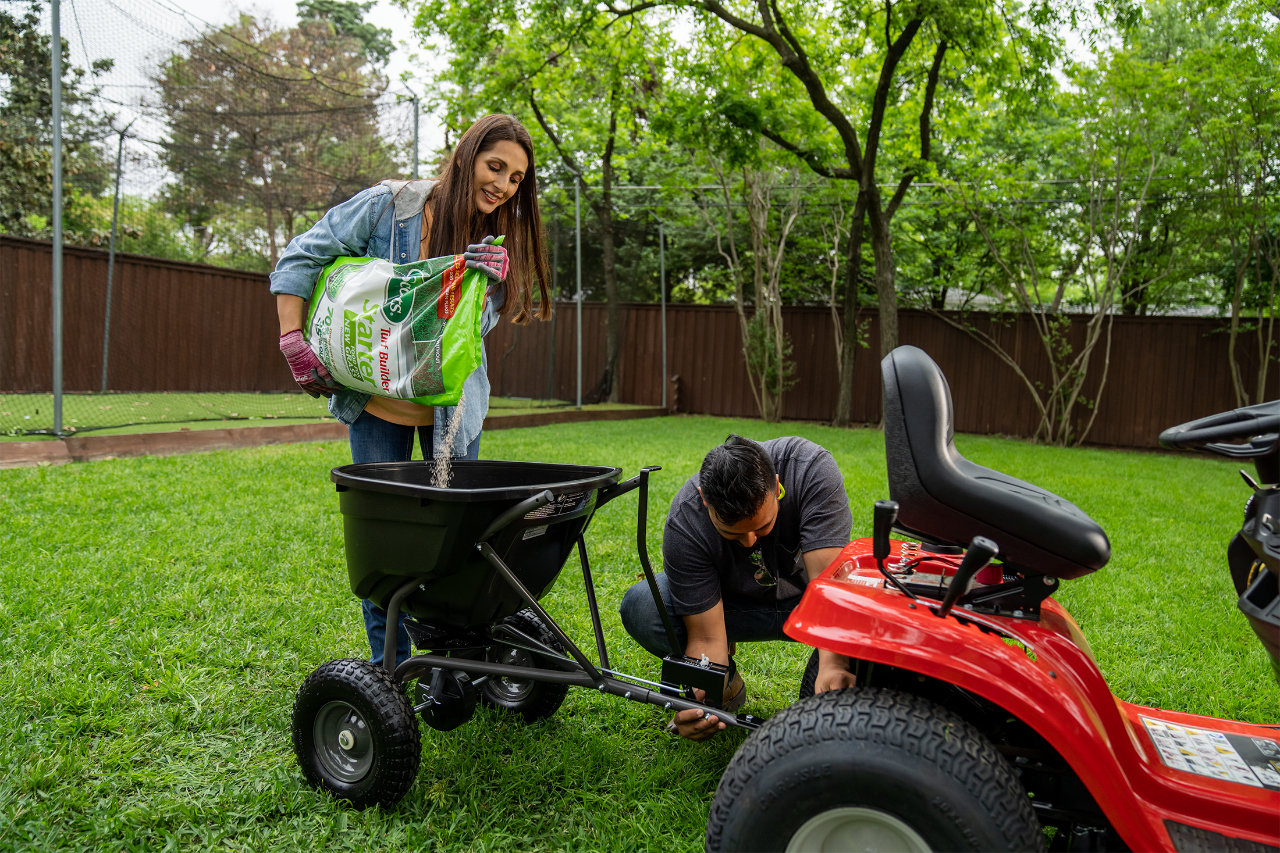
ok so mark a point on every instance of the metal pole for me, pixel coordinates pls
(555, 267)
(414, 98)
(577, 226)
(111, 256)
(662, 284)
(56, 53)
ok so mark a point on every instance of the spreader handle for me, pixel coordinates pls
(520, 510)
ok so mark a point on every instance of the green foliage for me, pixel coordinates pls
(26, 136)
(279, 122)
(347, 19)
(761, 351)
(160, 613)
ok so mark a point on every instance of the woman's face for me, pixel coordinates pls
(499, 170)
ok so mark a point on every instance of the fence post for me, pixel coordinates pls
(55, 53)
(555, 277)
(111, 257)
(662, 285)
(414, 98)
(577, 229)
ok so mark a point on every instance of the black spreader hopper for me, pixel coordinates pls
(468, 564)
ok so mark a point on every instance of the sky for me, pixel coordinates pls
(137, 34)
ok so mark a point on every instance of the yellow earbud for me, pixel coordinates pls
(782, 492)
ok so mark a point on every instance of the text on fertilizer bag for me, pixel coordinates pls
(450, 286)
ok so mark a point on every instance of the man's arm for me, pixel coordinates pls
(707, 636)
(833, 669)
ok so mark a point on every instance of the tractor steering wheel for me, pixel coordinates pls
(1261, 423)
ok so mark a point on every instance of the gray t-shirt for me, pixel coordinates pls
(703, 567)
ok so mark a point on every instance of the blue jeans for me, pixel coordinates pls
(744, 622)
(376, 440)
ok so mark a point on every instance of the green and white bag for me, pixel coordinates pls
(405, 331)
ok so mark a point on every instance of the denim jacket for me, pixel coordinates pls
(368, 225)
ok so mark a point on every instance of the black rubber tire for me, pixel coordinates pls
(810, 678)
(537, 700)
(388, 717)
(877, 749)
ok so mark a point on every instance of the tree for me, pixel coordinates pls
(1234, 109)
(827, 53)
(1064, 228)
(583, 88)
(282, 120)
(766, 348)
(26, 139)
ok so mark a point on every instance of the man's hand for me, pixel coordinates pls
(833, 672)
(690, 724)
(706, 637)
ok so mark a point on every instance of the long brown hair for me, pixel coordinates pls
(456, 222)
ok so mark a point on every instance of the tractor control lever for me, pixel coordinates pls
(886, 513)
(882, 519)
(981, 552)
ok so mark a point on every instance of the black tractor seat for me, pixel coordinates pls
(945, 498)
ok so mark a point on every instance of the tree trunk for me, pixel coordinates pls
(852, 303)
(882, 251)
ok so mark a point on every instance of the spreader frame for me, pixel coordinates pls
(577, 669)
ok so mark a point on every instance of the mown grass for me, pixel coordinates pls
(124, 413)
(157, 616)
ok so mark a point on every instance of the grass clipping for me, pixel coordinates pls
(442, 467)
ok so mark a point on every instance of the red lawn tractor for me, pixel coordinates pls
(981, 719)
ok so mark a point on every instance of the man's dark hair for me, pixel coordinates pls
(737, 477)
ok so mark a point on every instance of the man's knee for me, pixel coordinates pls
(637, 609)
(641, 619)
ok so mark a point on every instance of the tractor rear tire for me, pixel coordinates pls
(869, 769)
(355, 734)
(533, 700)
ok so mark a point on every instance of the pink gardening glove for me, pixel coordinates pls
(308, 372)
(489, 259)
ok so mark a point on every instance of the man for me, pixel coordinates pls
(742, 540)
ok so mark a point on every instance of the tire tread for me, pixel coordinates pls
(894, 719)
(396, 766)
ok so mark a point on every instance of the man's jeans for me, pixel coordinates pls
(744, 623)
(376, 440)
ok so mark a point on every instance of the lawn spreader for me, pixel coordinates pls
(980, 717)
(468, 564)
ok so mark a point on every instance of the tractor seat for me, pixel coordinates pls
(945, 498)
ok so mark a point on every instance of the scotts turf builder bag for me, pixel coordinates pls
(406, 331)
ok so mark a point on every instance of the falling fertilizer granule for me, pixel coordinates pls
(442, 469)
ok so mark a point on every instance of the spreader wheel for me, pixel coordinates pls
(533, 700)
(355, 734)
(868, 769)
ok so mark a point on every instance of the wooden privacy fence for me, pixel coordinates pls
(174, 326)
(1164, 370)
(192, 327)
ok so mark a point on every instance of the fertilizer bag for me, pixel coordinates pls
(405, 331)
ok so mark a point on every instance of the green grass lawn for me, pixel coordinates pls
(158, 614)
(86, 414)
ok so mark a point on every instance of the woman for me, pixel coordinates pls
(487, 188)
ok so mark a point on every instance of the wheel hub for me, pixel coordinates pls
(855, 828)
(512, 689)
(343, 742)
